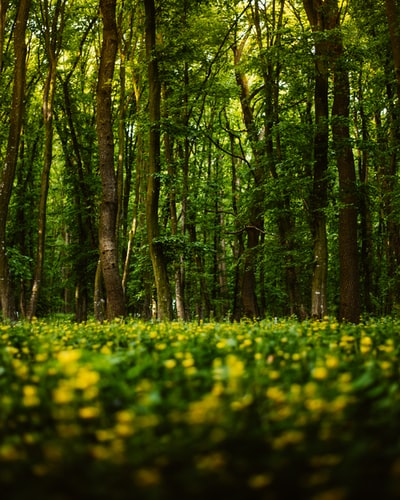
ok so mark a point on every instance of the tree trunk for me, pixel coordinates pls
(4, 4)
(164, 299)
(320, 21)
(115, 300)
(255, 217)
(8, 172)
(393, 249)
(52, 29)
(366, 225)
(393, 18)
(349, 308)
(178, 263)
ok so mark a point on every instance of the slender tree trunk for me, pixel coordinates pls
(164, 299)
(84, 203)
(366, 231)
(98, 295)
(179, 285)
(48, 104)
(9, 167)
(115, 300)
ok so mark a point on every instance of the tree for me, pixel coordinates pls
(349, 308)
(10, 163)
(52, 21)
(320, 21)
(115, 300)
(77, 135)
(158, 259)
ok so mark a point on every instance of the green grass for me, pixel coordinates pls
(155, 410)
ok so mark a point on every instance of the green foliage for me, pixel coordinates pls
(20, 265)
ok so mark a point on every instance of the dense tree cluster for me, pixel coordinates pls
(194, 159)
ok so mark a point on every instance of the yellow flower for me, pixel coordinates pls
(259, 481)
(332, 361)
(68, 430)
(41, 356)
(207, 410)
(188, 362)
(106, 350)
(125, 416)
(30, 397)
(170, 364)
(124, 429)
(316, 404)
(29, 390)
(68, 356)
(241, 403)
(274, 374)
(385, 365)
(105, 435)
(235, 366)
(90, 393)
(291, 437)
(211, 461)
(276, 394)
(320, 373)
(87, 412)
(63, 394)
(366, 344)
(146, 477)
(100, 452)
(86, 378)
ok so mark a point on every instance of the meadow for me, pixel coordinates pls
(135, 410)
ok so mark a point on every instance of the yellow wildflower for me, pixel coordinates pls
(87, 412)
(68, 356)
(320, 373)
(146, 477)
(332, 361)
(86, 378)
(63, 394)
(259, 481)
(170, 364)
(30, 397)
(276, 394)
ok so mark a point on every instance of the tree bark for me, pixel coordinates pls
(9, 167)
(164, 299)
(115, 300)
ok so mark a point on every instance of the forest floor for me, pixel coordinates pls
(135, 410)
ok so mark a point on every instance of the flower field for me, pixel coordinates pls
(140, 410)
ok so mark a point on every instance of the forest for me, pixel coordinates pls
(189, 159)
